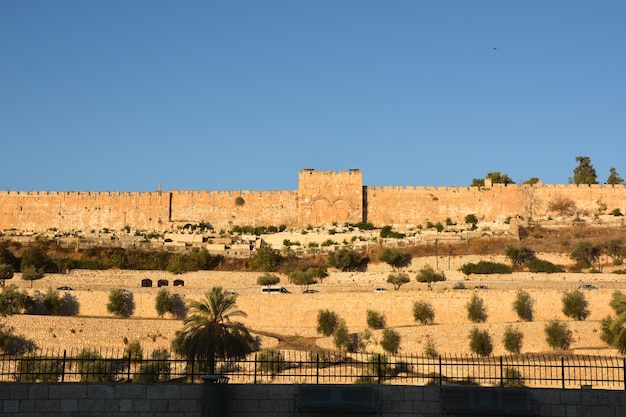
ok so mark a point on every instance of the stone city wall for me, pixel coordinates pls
(240, 400)
(322, 198)
(417, 205)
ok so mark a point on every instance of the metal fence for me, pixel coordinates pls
(288, 367)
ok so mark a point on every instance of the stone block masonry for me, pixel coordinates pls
(185, 400)
(321, 198)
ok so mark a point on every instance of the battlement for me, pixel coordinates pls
(322, 197)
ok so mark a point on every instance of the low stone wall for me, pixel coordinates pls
(186, 400)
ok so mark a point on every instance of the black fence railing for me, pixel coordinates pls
(272, 366)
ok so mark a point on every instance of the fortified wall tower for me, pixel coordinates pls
(328, 196)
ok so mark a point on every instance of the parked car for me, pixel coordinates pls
(481, 287)
(588, 287)
(65, 288)
(380, 290)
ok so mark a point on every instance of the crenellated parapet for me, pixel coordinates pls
(322, 197)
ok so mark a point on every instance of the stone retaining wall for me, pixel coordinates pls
(186, 400)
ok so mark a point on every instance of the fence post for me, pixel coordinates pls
(317, 368)
(193, 368)
(255, 367)
(63, 367)
(440, 372)
(501, 373)
(128, 372)
(624, 373)
(562, 372)
(379, 371)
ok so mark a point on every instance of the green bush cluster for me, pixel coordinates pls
(539, 265)
(258, 230)
(485, 267)
(480, 342)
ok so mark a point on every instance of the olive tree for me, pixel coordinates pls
(585, 253)
(397, 280)
(268, 279)
(575, 305)
(121, 303)
(523, 305)
(394, 257)
(476, 310)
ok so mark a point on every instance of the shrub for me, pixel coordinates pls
(512, 340)
(585, 254)
(396, 258)
(52, 302)
(523, 305)
(163, 302)
(558, 336)
(390, 341)
(378, 368)
(33, 368)
(428, 274)
(606, 334)
(480, 342)
(423, 312)
(271, 361)
(152, 371)
(120, 303)
(268, 279)
(539, 265)
(327, 322)
(513, 378)
(564, 206)
(12, 301)
(342, 339)
(484, 267)
(134, 351)
(266, 259)
(387, 232)
(575, 305)
(430, 351)
(31, 273)
(375, 320)
(345, 259)
(519, 255)
(460, 285)
(476, 310)
(92, 368)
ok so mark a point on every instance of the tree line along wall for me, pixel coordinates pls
(322, 197)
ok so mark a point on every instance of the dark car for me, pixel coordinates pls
(588, 287)
(65, 288)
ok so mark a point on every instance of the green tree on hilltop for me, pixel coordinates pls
(585, 173)
(614, 177)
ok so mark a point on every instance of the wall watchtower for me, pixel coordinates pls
(328, 196)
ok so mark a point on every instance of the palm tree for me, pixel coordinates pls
(208, 334)
(614, 332)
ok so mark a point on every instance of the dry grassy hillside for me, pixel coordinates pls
(281, 319)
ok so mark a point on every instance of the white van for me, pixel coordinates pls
(274, 289)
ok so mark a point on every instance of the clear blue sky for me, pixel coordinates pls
(241, 95)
